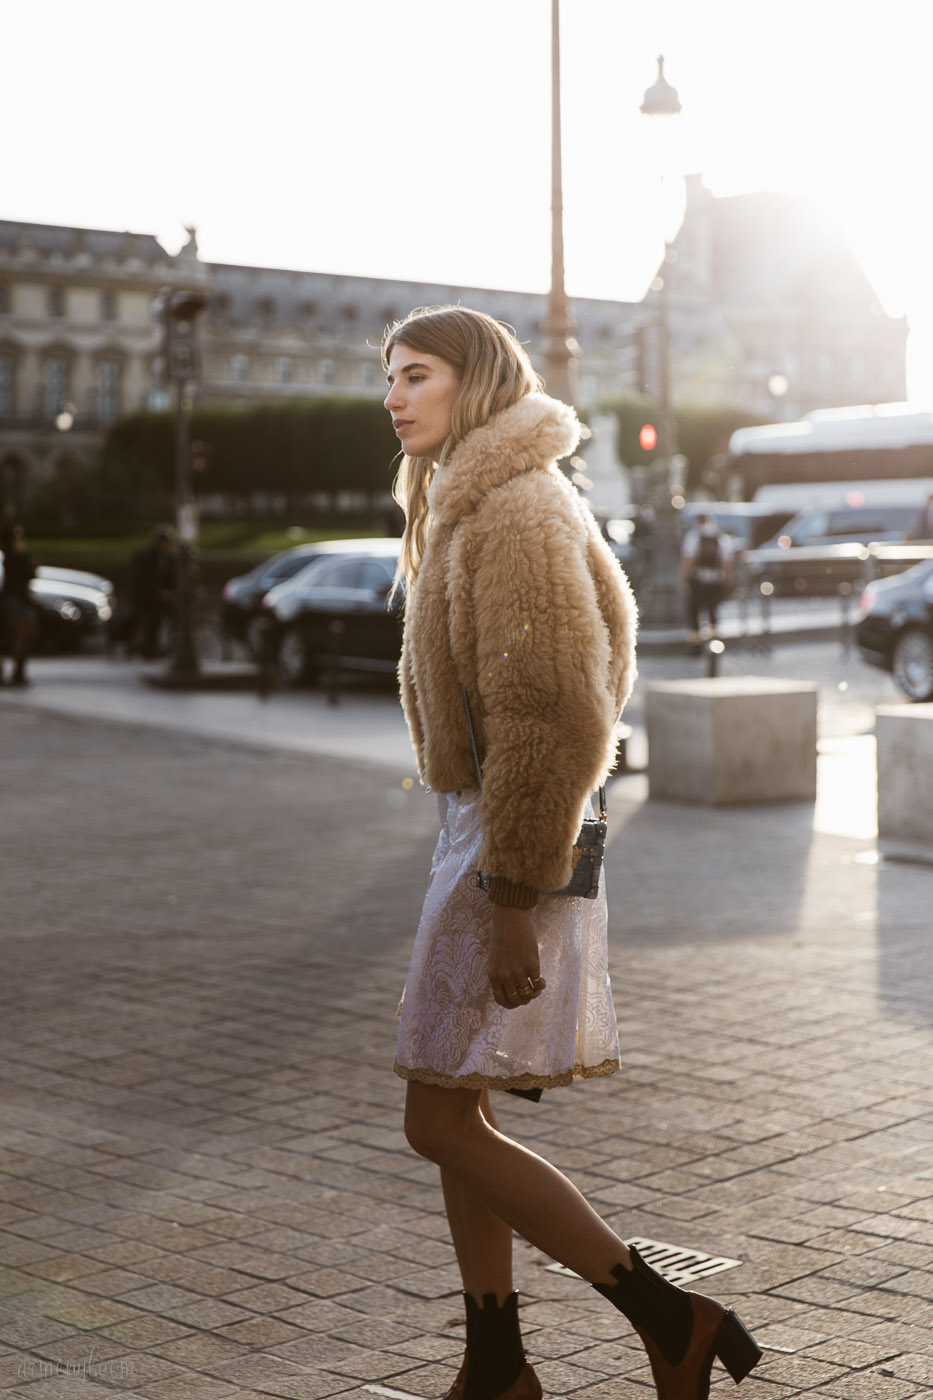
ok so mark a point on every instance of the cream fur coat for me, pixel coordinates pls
(519, 598)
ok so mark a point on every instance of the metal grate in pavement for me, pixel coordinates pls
(679, 1265)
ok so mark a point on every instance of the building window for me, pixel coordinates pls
(284, 369)
(108, 390)
(4, 299)
(265, 310)
(308, 309)
(54, 385)
(6, 384)
(108, 306)
(371, 375)
(56, 303)
(240, 367)
(327, 373)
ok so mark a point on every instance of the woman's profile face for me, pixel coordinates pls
(422, 390)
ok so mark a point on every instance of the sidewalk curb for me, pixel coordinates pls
(663, 642)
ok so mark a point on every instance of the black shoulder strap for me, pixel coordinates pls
(469, 716)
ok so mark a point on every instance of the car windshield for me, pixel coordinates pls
(285, 566)
(885, 520)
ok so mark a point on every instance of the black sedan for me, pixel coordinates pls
(337, 615)
(241, 614)
(71, 606)
(895, 629)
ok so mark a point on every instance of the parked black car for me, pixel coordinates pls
(895, 629)
(240, 614)
(68, 613)
(337, 614)
(71, 606)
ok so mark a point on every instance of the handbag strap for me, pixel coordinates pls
(469, 716)
(603, 807)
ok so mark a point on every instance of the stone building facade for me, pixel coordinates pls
(756, 289)
(77, 342)
(274, 333)
(766, 293)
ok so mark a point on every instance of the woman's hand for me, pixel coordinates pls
(514, 968)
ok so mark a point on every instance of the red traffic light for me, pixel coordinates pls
(648, 437)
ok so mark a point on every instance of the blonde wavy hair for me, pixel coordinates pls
(495, 372)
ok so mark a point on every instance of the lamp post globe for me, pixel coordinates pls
(660, 100)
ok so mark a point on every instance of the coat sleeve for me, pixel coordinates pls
(544, 667)
(620, 614)
(409, 697)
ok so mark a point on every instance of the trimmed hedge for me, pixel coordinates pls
(286, 449)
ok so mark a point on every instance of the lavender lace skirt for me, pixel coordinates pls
(451, 1032)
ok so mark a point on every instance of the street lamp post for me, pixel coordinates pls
(561, 350)
(664, 603)
(179, 313)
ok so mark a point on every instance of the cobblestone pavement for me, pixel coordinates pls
(204, 1188)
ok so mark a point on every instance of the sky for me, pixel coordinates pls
(413, 140)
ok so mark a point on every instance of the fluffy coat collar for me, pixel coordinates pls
(529, 436)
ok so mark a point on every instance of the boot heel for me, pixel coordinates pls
(736, 1347)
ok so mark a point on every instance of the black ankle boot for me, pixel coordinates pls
(494, 1367)
(682, 1332)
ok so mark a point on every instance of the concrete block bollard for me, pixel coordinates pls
(904, 735)
(732, 739)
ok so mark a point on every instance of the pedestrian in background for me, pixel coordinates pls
(516, 598)
(17, 610)
(152, 593)
(706, 573)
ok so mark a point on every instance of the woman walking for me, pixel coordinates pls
(519, 614)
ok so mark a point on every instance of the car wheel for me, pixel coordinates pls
(912, 664)
(294, 661)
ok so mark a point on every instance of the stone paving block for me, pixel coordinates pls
(59, 1387)
(870, 1385)
(914, 1367)
(261, 1263)
(201, 1351)
(186, 1386)
(313, 1387)
(798, 1372)
(258, 1332)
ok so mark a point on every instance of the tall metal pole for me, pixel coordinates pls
(184, 658)
(667, 423)
(182, 311)
(664, 603)
(560, 348)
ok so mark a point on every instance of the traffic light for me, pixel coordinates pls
(648, 437)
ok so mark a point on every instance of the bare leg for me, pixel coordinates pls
(493, 1181)
(515, 1186)
(482, 1241)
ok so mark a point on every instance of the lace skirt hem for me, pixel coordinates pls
(521, 1081)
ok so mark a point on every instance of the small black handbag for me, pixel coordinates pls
(587, 849)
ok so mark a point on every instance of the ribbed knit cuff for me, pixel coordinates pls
(512, 896)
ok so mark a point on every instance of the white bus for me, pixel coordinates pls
(834, 456)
